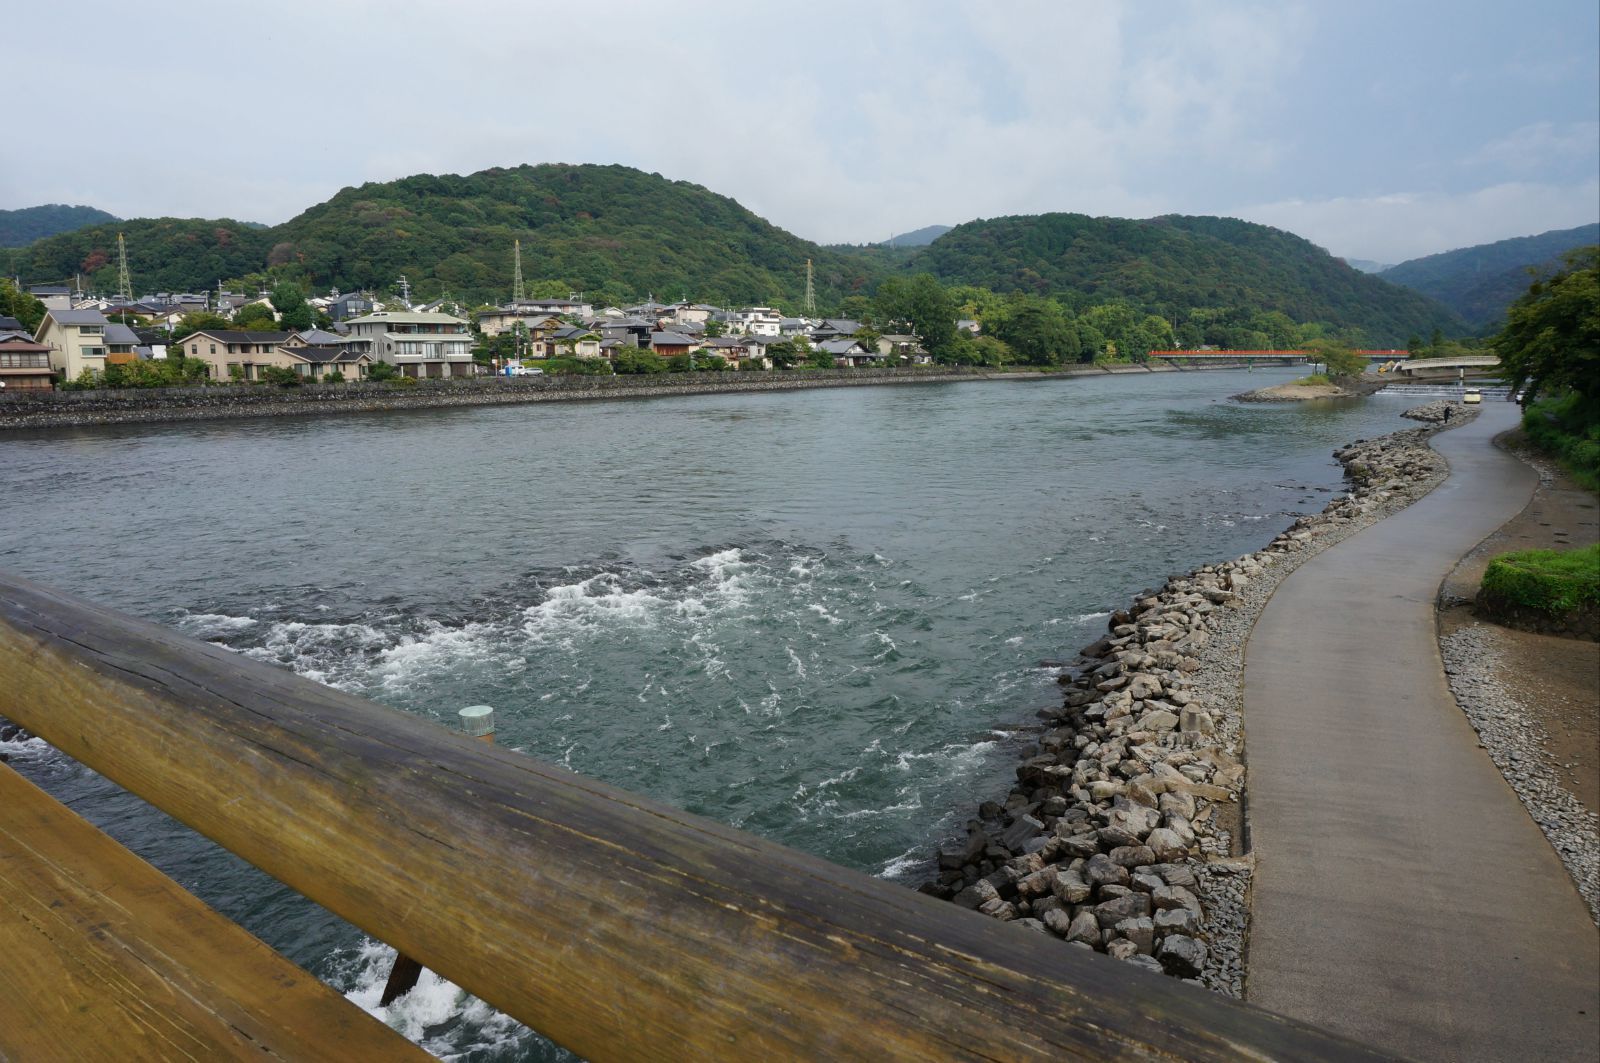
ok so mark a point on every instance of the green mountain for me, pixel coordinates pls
(918, 237)
(1480, 282)
(612, 231)
(1173, 264)
(21, 227)
(164, 254)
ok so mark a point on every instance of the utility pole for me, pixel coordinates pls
(518, 292)
(811, 291)
(405, 291)
(124, 284)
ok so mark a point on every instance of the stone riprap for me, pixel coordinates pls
(1124, 831)
(1514, 739)
(1438, 412)
(70, 409)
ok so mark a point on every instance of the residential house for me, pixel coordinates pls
(673, 344)
(571, 306)
(77, 341)
(850, 353)
(350, 305)
(737, 351)
(903, 349)
(503, 319)
(53, 296)
(24, 364)
(316, 362)
(836, 328)
(969, 326)
(755, 321)
(790, 327)
(419, 345)
(573, 341)
(238, 354)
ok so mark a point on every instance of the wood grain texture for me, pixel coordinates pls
(618, 927)
(104, 957)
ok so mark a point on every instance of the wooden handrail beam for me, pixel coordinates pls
(619, 927)
(104, 957)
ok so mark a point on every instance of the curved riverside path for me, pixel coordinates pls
(1402, 895)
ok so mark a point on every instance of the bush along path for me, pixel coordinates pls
(1123, 833)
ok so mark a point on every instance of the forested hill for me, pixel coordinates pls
(1480, 282)
(1172, 264)
(23, 226)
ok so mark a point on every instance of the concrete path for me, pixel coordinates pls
(1402, 896)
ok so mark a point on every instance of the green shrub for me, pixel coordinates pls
(282, 376)
(1546, 580)
(381, 371)
(333, 376)
(1314, 380)
(403, 381)
(1568, 429)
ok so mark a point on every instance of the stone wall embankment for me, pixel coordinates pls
(65, 409)
(1125, 832)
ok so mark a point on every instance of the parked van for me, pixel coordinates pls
(1473, 397)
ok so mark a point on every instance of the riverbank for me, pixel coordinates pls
(1126, 832)
(20, 410)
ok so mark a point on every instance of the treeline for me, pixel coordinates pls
(26, 224)
(620, 235)
(1171, 266)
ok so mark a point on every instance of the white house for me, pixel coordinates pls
(418, 345)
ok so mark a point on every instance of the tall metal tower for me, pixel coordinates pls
(124, 284)
(518, 292)
(811, 291)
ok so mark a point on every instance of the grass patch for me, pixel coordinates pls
(1546, 580)
(1315, 380)
(1568, 429)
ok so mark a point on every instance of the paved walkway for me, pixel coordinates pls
(1402, 895)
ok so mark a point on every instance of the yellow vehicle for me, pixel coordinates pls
(1473, 397)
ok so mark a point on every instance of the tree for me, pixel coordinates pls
(1337, 358)
(199, 321)
(787, 353)
(19, 304)
(820, 359)
(922, 303)
(255, 316)
(1035, 329)
(381, 371)
(635, 360)
(1551, 339)
(294, 313)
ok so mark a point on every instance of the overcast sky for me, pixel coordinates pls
(1380, 129)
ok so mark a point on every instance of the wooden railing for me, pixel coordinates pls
(618, 927)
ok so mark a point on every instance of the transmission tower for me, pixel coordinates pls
(518, 292)
(811, 291)
(124, 284)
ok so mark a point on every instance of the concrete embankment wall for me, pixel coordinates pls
(66, 409)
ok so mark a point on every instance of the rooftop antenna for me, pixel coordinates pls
(518, 292)
(124, 284)
(811, 291)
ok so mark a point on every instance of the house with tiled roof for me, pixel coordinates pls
(237, 354)
(76, 339)
(24, 364)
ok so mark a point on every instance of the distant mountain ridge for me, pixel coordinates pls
(619, 234)
(1480, 282)
(1173, 263)
(918, 237)
(23, 226)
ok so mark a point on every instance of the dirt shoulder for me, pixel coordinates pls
(1554, 682)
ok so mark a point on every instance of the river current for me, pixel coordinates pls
(819, 616)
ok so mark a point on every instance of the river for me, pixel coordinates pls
(815, 615)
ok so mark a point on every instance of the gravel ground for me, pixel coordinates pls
(1515, 740)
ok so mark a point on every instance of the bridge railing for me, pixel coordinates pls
(619, 927)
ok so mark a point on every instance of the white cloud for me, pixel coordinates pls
(1397, 226)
